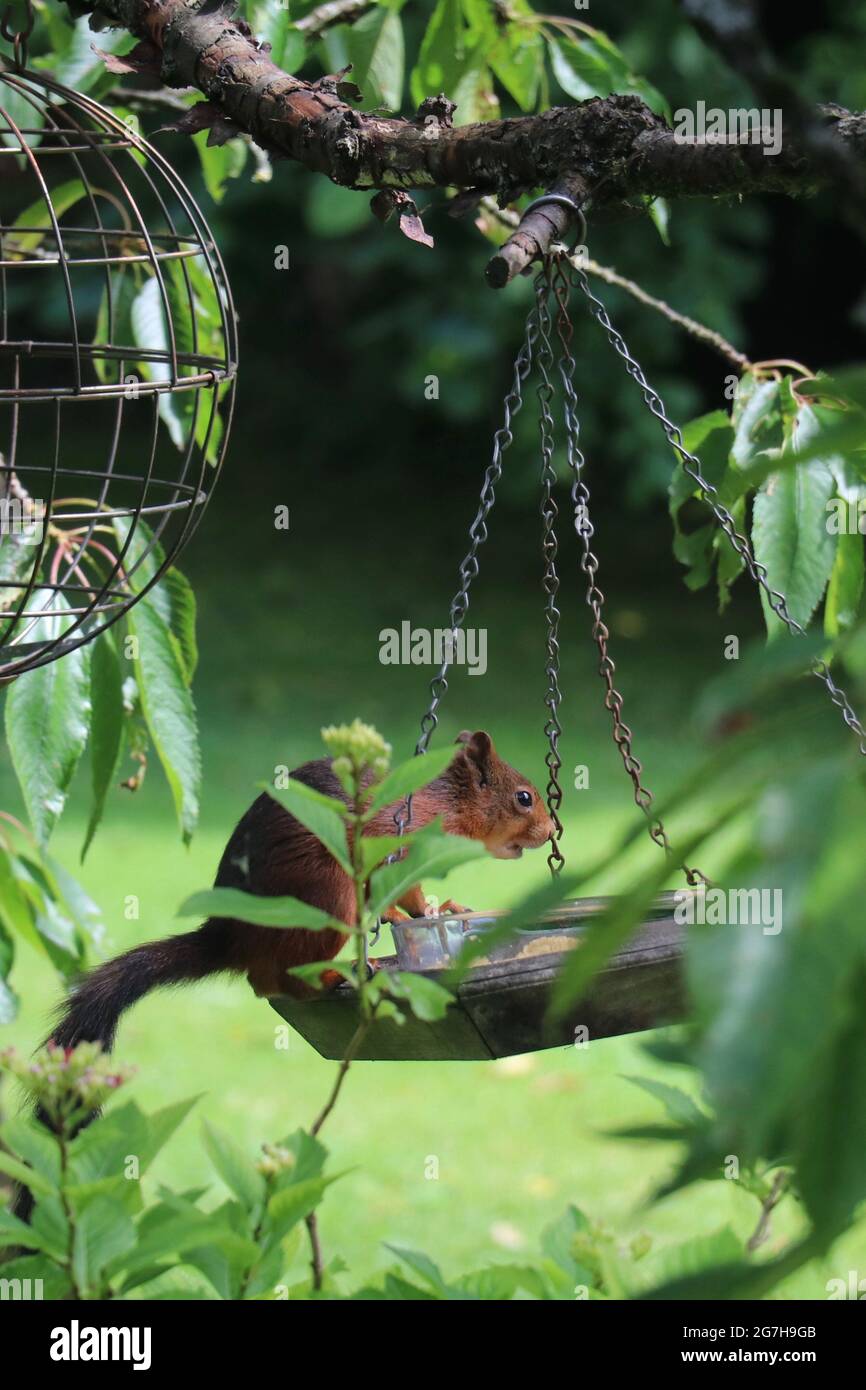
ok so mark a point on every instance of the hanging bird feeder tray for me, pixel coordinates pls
(501, 1005)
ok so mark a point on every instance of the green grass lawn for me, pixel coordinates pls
(516, 1141)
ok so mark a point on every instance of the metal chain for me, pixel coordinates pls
(550, 546)
(584, 529)
(477, 536)
(18, 37)
(692, 467)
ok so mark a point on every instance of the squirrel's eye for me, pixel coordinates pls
(523, 798)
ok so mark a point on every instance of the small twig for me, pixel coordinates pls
(772, 1200)
(611, 277)
(332, 12)
(351, 1053)
(697, 330)
(146, 96)
(315, 1250)
(536, 231)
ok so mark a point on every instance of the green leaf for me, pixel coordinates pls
(259, 911)
(47, 717)
(28, 1177)
(37, 215)
(374, 45)
(288, 45)
(33, 1143)
(576, 73)
(422, 1265)
(441, 57)
(845, 590)
(76, 64)
(292, 1204)
(168, 709)
(99, 1151)
(103, 1232)
(500, 1283)
(591, 65)
(752, 988)
(176, 588)
(14, 1232)
(790, 537)
(677, 1103)
(409, 776)
(8, 998)
(149, 321)
(172, 597)
(169, 1230)
(114, 324)
(219, 163)
(54, 1281)
(518, 62)
(692, 1257)
(432, 854)
(106, 726)
(236, 1170)
(428, 1000)
(831, 1120)
(161, 1125)
(755, 418)
(319, 814)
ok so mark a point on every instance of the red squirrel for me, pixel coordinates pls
(271, 854)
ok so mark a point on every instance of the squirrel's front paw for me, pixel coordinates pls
(450, 905)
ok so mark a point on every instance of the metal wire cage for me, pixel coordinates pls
(118, 357)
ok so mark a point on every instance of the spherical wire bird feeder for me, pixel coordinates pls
(118, 356)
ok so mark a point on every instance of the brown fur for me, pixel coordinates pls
(273, 855)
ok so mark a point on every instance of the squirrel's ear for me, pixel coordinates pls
(478, 748)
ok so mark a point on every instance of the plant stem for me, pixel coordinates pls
(355, 822)
(772, 1200)
(68, 1213)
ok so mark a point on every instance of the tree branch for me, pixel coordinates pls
(617, 148)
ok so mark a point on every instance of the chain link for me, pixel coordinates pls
(477, 536)
(550, 546)
(692, 467)
(584, 529)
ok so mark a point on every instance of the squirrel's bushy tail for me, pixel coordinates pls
(93, 1009)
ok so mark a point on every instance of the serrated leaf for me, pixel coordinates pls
(106, 727)
(428, 1000)
(790, 538)
(47, 719)
(237, 1171)
(103, 1232)
(409, 776)
(168, 710)
(845, 590)
(678, 1105)
(259, 911)
(432, 854)
(27, 1176)
(318, 813)
(374, 46)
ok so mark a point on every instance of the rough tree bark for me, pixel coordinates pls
(615, 149)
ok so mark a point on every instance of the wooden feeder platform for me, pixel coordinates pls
(500, 1007)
